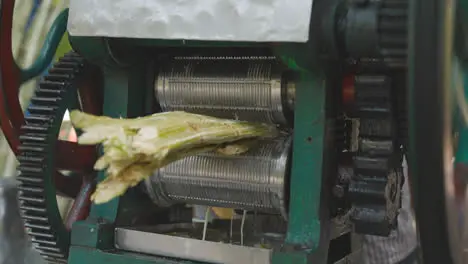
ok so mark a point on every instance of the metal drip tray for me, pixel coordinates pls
(190, 249)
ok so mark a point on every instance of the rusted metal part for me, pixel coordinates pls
(74, 157)
(90, 99)
(9, 67)
(11, 116)
(90, 90)
(7, 126)
(82, 203)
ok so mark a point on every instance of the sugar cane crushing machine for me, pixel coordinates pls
(320, 70)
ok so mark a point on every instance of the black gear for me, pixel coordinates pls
(375, 188)
(393, 31)
(37, 193)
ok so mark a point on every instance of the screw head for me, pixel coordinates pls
(338, 191)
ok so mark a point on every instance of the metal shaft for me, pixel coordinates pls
(250, 89)
(256, 180)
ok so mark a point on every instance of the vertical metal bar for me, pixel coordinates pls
(304, 227)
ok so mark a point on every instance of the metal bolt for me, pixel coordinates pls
(338, 191)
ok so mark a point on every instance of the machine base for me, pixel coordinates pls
(139, 246)
(87, 255)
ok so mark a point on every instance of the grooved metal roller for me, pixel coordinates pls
(256, 180)
(246, 88)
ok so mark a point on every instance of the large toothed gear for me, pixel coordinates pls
(393, 31)
(375, 188)
(37, 192)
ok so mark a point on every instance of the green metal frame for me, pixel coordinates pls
(461, 154)
(462, 42)
(47, 53)
(92, 240)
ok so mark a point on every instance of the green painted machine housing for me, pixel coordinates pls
(128, 92)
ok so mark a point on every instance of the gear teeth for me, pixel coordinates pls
(44, 227)
(30, 180)
(51, 85)
(39, 234)
(34, 218)
(41, 101)
(48, 91)
(32, 148)
(33, 208)
(26, 159)
(57, 76)
(26, 187)
(393, 31)
(47, 253)
(36, 138)
(36, 194)
(44, 110)
(372, 95)
(43, 241)
(54, 260)
(35, 200)
(375, 187)
(32, 129)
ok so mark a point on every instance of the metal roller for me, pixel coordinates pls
(250, 89)
(256, 180)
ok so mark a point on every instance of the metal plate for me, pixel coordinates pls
(190, 249)
(353, 258)
(215, 20)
